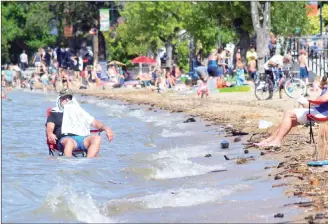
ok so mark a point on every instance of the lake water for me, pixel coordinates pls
(155, 170)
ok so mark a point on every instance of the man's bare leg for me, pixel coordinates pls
(92, 143)
(69, 145)
(289, 120)
(273, 136)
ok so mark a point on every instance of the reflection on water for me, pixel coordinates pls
(154, 170)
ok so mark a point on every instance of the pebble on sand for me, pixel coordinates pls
(224, 144)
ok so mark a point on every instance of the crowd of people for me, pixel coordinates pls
(223, 67)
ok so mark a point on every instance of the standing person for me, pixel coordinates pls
(37, 60)
(23, 60)
(169, 78)
(74, 61)
(58, 56)
(251, 53)
(303, 62)
(9, 77)
(240, 79)
(71, 134)
(238, 55)
(212, 66)
(221, 62)
(288, 59)
(252, 68)
(47, 59)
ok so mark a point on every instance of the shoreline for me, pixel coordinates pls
(241, 112)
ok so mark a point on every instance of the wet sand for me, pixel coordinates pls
(241, 112)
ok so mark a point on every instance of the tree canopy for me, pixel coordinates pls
(148, 25)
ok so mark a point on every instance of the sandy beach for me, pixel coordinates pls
(241, 112)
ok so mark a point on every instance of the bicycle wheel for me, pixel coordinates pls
(295, 88)
(262, 89)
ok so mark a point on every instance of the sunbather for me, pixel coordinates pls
(297, 116)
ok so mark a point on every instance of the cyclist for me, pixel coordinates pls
(275, 64)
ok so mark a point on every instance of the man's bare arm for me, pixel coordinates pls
(99, 125)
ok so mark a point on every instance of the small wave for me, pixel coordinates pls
(138, 114)
(115, 110)
(186, 152)
(183, 197)
(103, 104)
(64, 201)
(168, 134)
(178, 167)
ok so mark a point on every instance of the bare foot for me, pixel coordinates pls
(272, 143)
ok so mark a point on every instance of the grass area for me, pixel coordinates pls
(244, 88)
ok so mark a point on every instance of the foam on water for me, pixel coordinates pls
(114, 110)
(158, 119)
(184, 197)
(138, 114)
(168, 133)
(81, 206)
(176, 167)
(186, 152)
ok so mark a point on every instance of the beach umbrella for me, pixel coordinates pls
(143, 60)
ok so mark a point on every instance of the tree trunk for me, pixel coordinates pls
(262, 47)
(262, 30)
(169, 50)
(243, 43)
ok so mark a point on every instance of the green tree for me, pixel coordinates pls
(149, 22)
(24, 25)
(10, 29)
(287, 16)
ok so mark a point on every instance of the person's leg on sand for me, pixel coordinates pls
(289, 120)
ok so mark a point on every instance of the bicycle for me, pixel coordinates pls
(293, 87)
(264, 86)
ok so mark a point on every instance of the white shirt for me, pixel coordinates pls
(276, 59)
(23, 58)
(76, 120)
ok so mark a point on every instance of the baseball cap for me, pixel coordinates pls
(65, 92)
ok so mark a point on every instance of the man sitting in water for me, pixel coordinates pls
(68, 126)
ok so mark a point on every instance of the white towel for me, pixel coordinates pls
(75, 119)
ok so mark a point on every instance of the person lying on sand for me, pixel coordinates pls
(295, 117)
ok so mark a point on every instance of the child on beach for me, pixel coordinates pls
(202, 88)
(240, 73)
(160, 83)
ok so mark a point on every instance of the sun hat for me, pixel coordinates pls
(65, 92)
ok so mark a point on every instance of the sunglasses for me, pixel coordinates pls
(66, 97)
